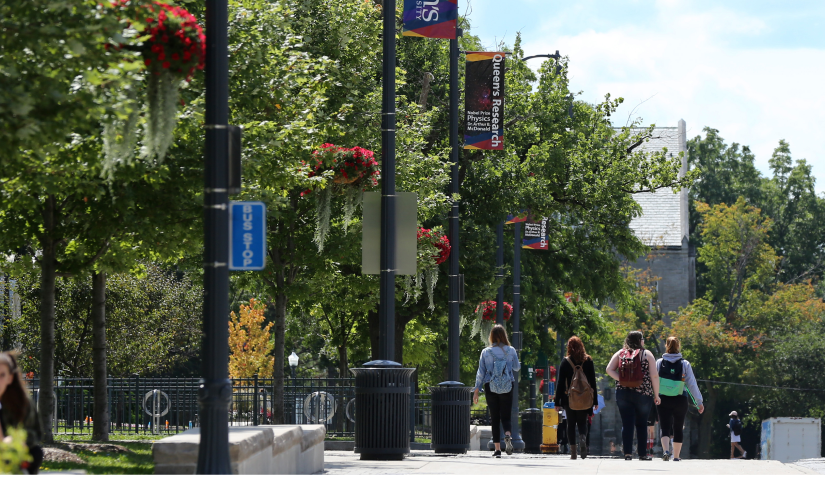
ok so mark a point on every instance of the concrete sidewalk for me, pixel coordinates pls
(480, 463)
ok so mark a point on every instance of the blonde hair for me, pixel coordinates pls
(673, 346)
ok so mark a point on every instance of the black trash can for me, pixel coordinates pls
(531, 423)
(451, 402)
(382, 410)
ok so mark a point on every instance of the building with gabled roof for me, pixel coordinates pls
(664, 227)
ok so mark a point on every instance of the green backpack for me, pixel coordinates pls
(671, 378)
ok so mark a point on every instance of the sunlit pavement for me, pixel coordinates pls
(480, 463)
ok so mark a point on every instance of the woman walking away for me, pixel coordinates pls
(735, 426)
(637, 389)
(495, 374)
(576, 393)
(674, 374)
(17, 410)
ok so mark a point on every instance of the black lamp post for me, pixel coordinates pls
(386, 306)
(215, 389)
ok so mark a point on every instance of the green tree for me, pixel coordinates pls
(154, 323)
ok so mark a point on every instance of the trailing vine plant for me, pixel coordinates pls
(486, 317)
(174, 46)
(339, 171)
(433, 250)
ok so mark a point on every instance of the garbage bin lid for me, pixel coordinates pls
(451, 383)
(382, 363)
(549, 405)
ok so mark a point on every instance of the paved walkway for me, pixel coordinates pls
(480, 463)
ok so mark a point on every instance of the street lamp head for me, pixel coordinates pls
(293, 360)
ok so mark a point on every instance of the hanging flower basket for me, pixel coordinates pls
(175, 48)
(437, 240)
(351, 171)
(433, 250)
(488, 308)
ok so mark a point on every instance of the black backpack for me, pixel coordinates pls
(737, 427)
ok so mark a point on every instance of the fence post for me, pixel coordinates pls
(255, 399)
(139, 415)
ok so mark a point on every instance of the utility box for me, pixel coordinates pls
(789, 439)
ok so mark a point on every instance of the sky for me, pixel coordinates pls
(754, 70)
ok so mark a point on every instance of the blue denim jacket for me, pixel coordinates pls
(487, 361)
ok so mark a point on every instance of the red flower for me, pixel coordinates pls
(175, 56)
(166, 65)
(147, 61)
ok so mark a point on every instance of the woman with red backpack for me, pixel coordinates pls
(637, 389)
(576, 393)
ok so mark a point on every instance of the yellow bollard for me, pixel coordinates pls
(549, 430)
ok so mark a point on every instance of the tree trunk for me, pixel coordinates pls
(706, 423)
(278, 371)
(343, 366)
(101, 399)
(47, 277)
(372, 322)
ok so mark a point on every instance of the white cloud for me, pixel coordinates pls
(699, 66)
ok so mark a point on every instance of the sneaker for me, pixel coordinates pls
(645, 458)
(666, 457)
(628, 458)
(744, 455)
(676, 459)
(508, 442)
(497, 454)
(583, 445)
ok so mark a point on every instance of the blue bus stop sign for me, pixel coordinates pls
(247, 235)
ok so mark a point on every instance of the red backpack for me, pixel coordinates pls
(631, 374)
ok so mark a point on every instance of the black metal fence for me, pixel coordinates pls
(170, 405)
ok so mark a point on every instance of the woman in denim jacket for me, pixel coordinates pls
(500, 404)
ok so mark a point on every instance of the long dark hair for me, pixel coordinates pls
(15, 399)
(498, 335)
(634, 340)
(575, 350)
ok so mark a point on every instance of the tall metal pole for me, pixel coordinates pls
(518, 443)
(517, 285)
(453, 305)
(215, 388)
(500, 273)
(386, 308)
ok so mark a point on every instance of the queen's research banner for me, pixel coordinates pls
(430, 18)
(535, 235)
(484, 101)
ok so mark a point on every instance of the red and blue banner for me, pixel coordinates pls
(535, 235)
(518, 218)
(435, 19)
(484, 101)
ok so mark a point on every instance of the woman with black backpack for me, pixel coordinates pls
(675, 379)
(576, 393)
(495, 374)
(637, 389)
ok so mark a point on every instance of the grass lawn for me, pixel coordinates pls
(139, 461)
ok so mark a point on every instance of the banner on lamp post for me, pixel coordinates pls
(435, 19)
(535, 235)
(484, 101)
(518, 218)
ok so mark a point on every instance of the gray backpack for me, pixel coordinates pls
(501, 382)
